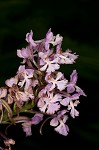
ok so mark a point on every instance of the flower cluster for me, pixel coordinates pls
(39, 88)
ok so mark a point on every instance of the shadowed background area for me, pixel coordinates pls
(77, 22)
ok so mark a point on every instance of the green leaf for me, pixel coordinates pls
(27, 106)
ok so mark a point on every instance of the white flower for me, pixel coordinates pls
(49, 103)
(60, 82)
(59, 123)
(49, 64)
(71, 107)
(66, 57)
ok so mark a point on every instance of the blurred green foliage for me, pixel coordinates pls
(78, 25)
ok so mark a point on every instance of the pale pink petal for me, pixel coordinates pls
(37, 119)
(19, 54)
(75, 96)
(73, 77)
(42, 62)
(62, 129)
(58, 40)
(52, 67)
(25, 52)
(59, 76)
(65, 101)
(61, 85)
(34, 83)
(80, 91)
(28, 83)
(54, 122)
(56, 98)
(65, 117)
(43, 108)
(11, 81)
(40, 102)
(29, 72)
(27, 128)
(74, 112)
(29, 38)
(49, 35)
(70, 88)
(52, 108)
(43, 68)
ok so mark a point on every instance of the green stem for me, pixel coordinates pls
(44, 123)
(19, 119)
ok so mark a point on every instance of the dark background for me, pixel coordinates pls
(77, 21)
